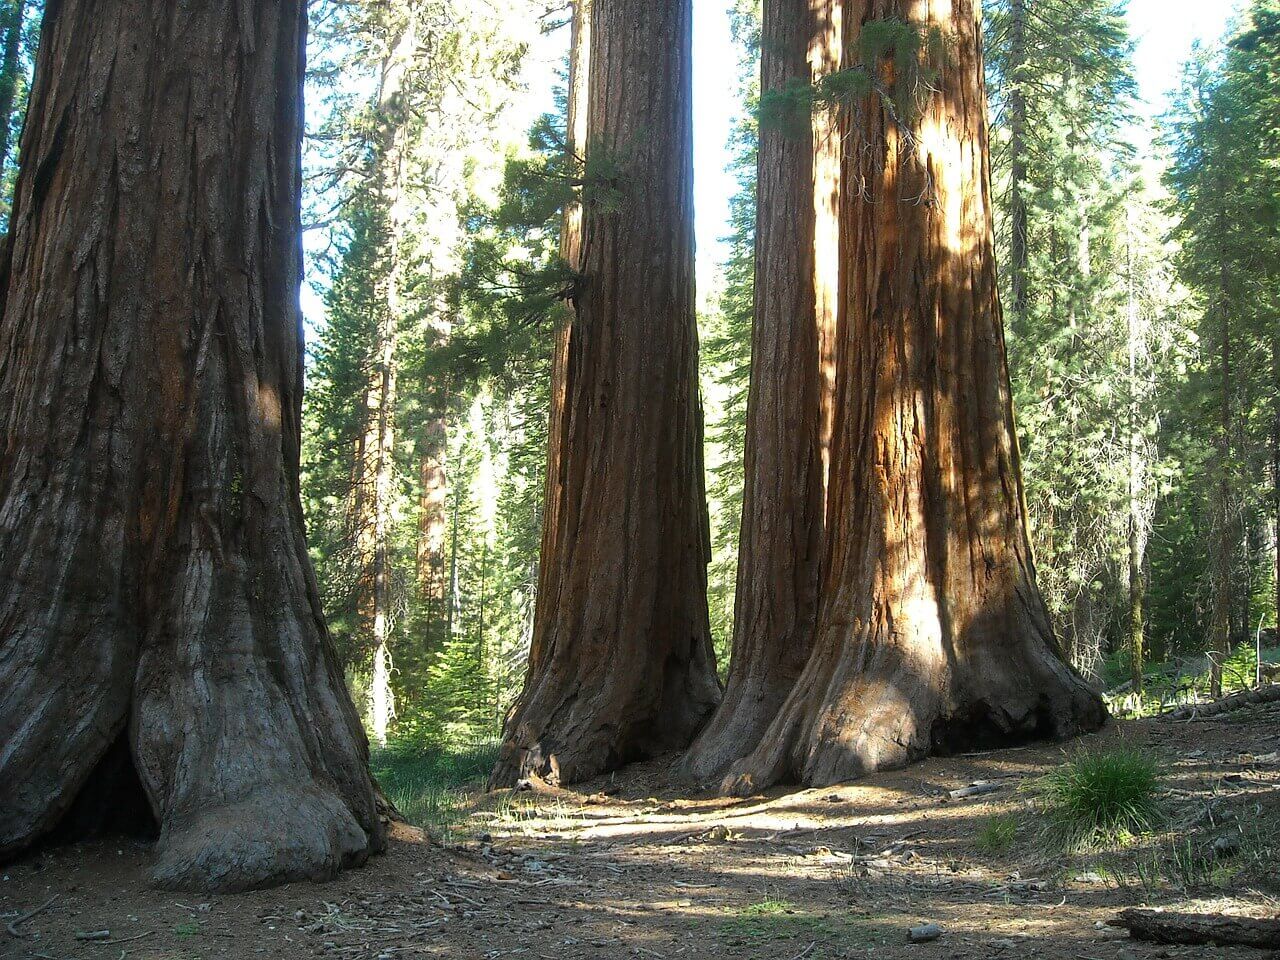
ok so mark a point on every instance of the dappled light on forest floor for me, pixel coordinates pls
(629, 866)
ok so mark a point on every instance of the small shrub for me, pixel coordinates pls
(998, 833)
(1101, 797)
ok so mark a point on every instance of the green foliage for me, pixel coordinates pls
(997, 834)
(428, 785)
(726, 351)
(1101, 796)
(1224, 151)
(894, 60)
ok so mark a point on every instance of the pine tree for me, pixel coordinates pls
(1062, 87)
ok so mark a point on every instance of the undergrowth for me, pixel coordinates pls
(1167, 685)
(998, 833)
(1107, 796)
(429, 785)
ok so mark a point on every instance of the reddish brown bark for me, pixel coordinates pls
(623, 660)
(931, 634)
(154, 579)
(788, 410)
(571, 253)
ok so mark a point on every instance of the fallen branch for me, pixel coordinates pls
(13, 925)
(140, 936)
(1211, 928)
(974, 790)
(1236, 701)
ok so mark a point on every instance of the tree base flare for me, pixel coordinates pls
(277, 836)
(836, 727)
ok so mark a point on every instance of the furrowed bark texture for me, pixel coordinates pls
(781, 541)
(571, 253)
(154, 579)
(625, 667)
(931, 634)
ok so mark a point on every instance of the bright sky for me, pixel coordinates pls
(1164, 31)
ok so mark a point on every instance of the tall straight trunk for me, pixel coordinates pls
(378, 528)
(931, 633)
(825, 54)
(433, 507)
(624, 666)
(781, 541)
(1275, 462)
(571, 253)
(1135, 478)
(1220, 640)
(14, 14)
(379, 446)
(1018, 133)
(155, 587)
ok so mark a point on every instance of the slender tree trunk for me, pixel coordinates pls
(781, 540)
(455, 598)
(1275, 461)
(1136, 479)
(1221, 630)
(433, 506)
(931, 633)
(625, 667)
(14, 15)
(1018, 245)
(391, 176)
(825, 55)
(154, 578)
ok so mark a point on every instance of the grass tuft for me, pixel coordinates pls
(1103, 797)
(998, 833)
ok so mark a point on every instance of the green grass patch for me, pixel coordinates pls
(998, 833)
(430, 785)
(774, 920)
(1101, 797)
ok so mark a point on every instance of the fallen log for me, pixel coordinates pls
(1219, 929)
(1236, 701)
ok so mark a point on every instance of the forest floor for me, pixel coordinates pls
(624, 867)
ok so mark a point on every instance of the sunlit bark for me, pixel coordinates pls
(155, 587)
(623, 665)
(931, 633)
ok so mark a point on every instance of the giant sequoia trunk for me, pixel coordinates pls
(781, 541)
(155, 589)
(622, 664)
(931, 634)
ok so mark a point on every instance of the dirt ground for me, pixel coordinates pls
(624, 867)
